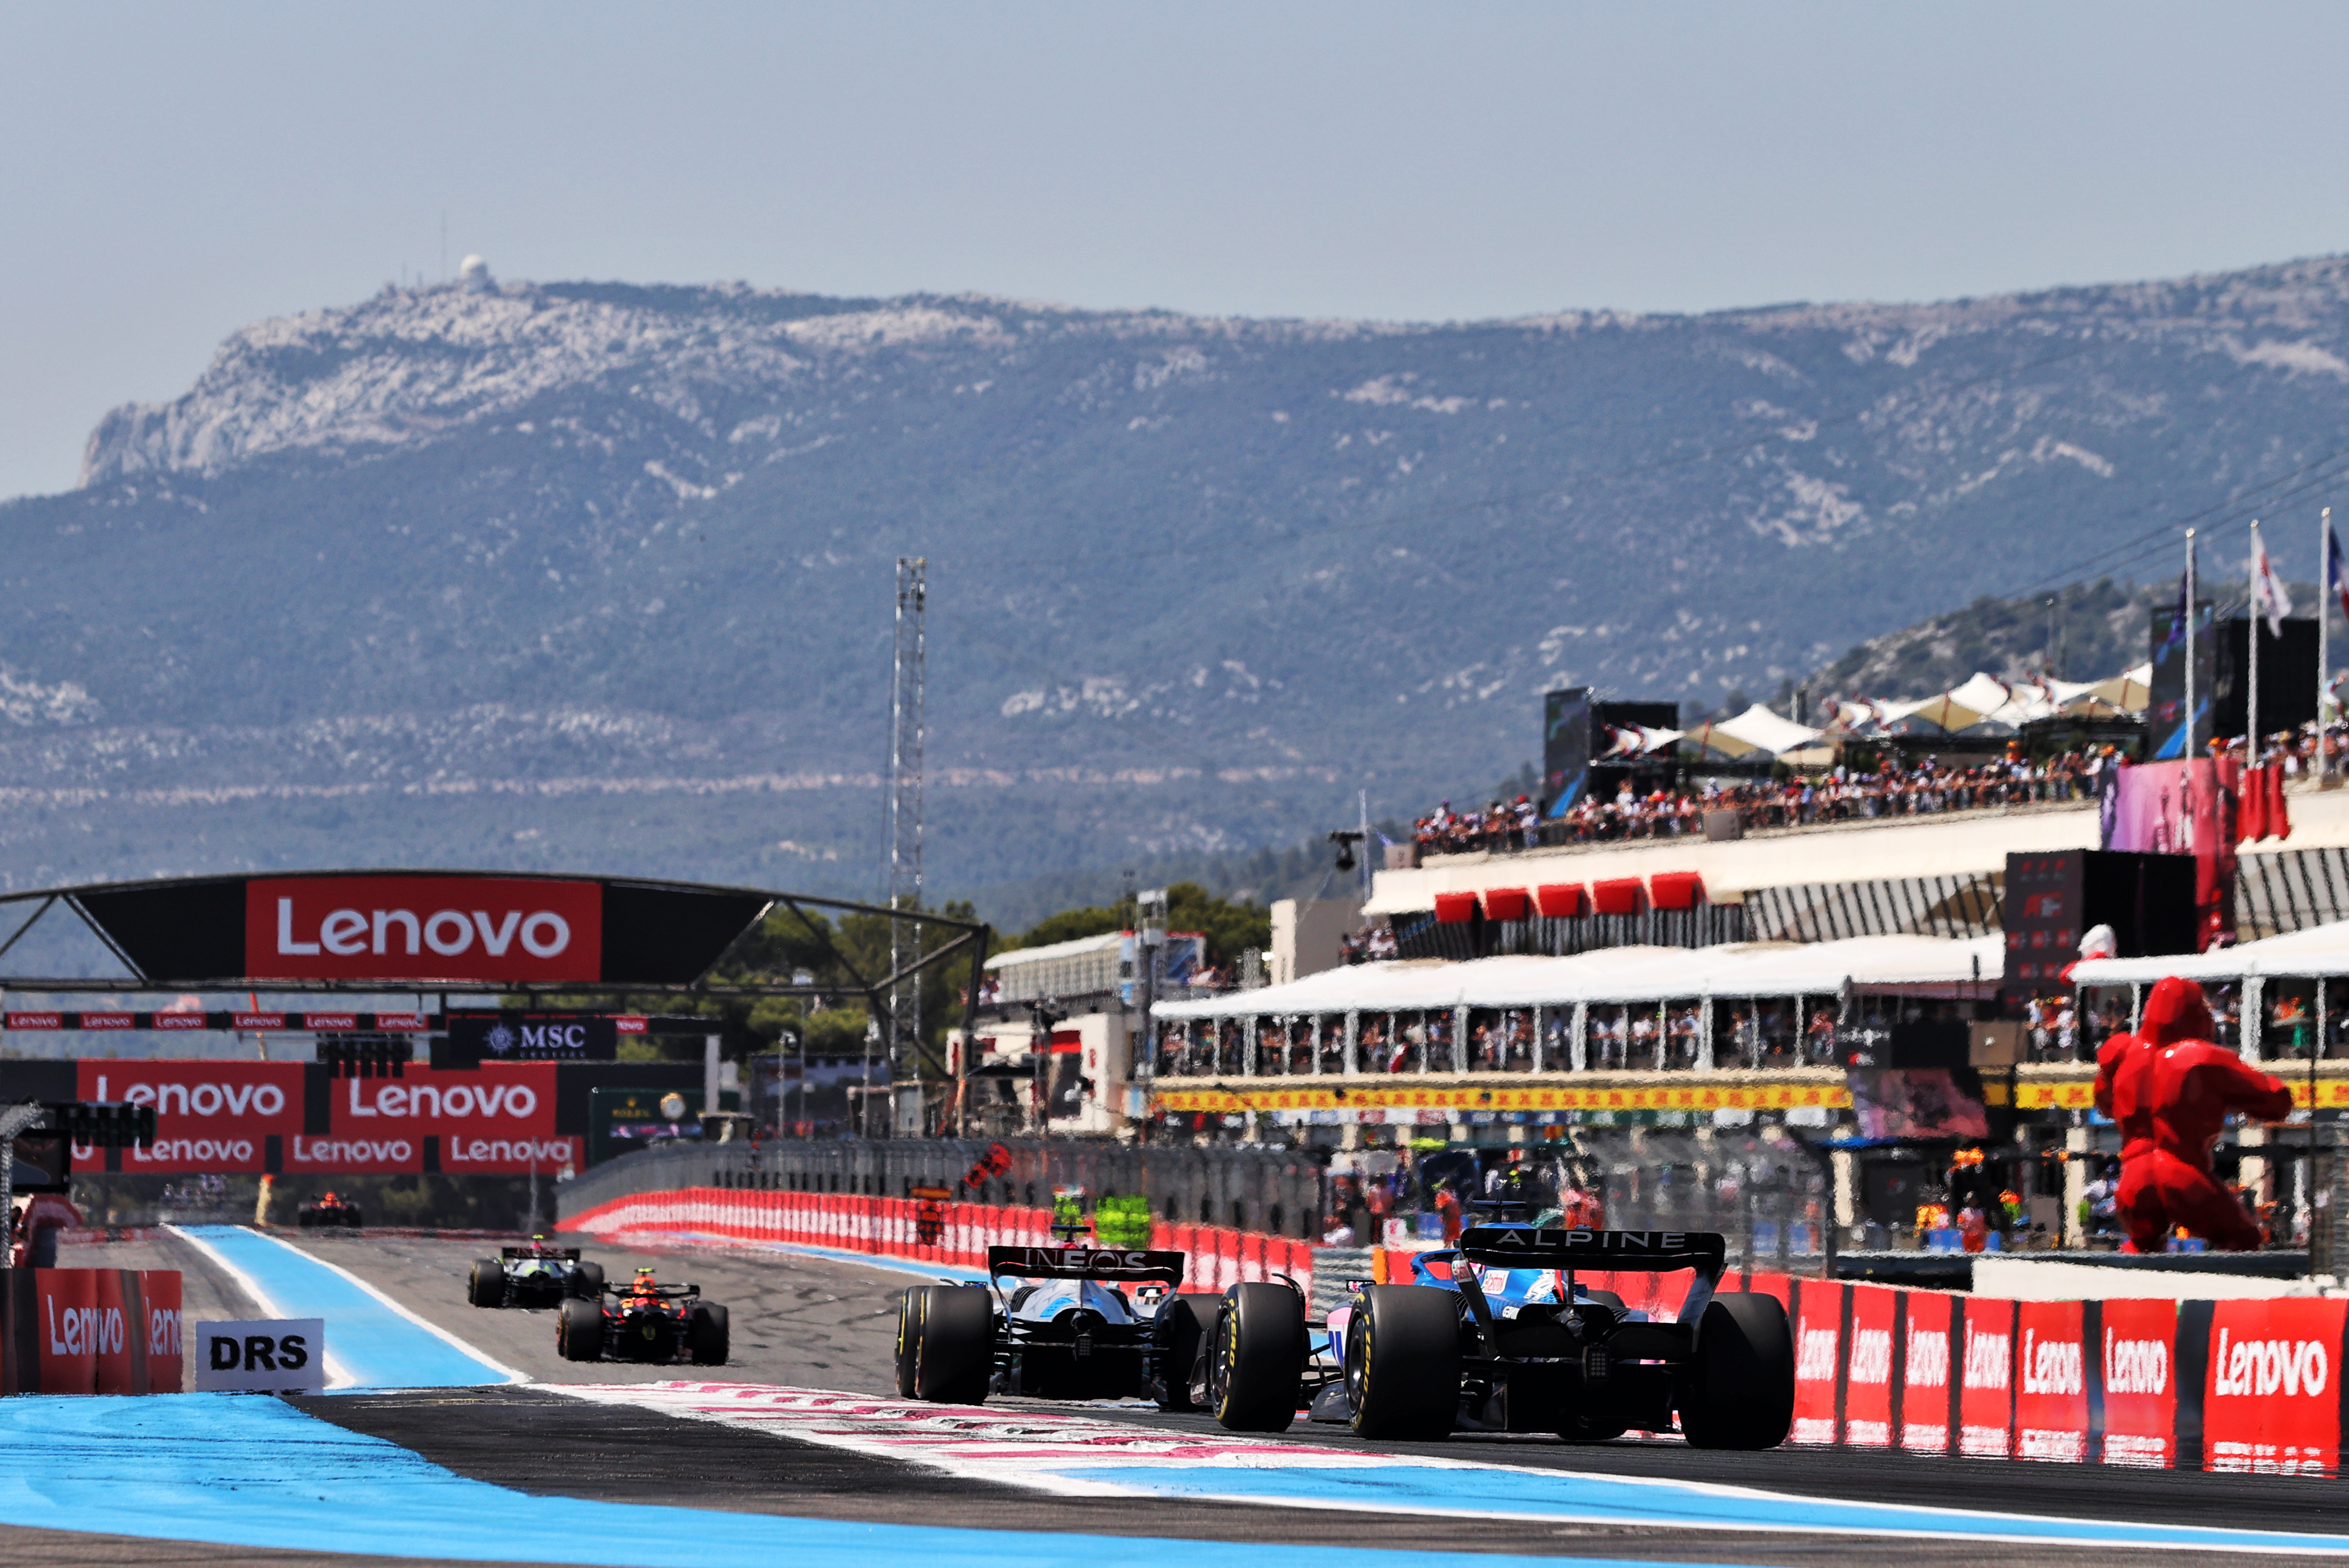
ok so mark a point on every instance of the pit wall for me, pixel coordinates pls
(2246, 1385)
(886, 1228)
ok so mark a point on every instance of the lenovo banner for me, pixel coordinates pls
(2051, 1376)
(2137, 1352)
(1925, 1362)
(2270, 1403)
(1867, 1370)
(497, 1121)
(215, 1116)
(417, 928)
(1819, 1345)
(1986, 1379)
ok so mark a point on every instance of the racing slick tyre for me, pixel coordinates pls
(706, 1334)
(1402, 1361)
(586, 1282)
(1739, 1391)
(351, 1217)
(953, 1344)
(1175, 1336)
(579, 1330)
(487, 1285)
(909, 1308)
(1258, 1359)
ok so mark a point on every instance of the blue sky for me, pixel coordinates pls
(170, 172)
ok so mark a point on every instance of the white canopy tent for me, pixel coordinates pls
(1624, 975)
(2318, 950)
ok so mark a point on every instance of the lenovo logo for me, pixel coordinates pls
(2265, 1368)
(1988, 1359)
(423, 928)
(2052, 1365)
(1816, 1356)
(2136, 1365)
(1929, 1361)
(1872, 1355)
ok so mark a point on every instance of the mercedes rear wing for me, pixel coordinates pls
(565, 1254)
(1084, 1263)
(1630, 1252)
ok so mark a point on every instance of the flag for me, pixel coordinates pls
(2336, 576)
(2269, 598)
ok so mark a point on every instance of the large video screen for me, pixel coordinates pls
(1919, 1102)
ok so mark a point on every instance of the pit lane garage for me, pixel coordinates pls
(1497, 1337)
(1066, 1327)
(643, 1321)
(534, 1275)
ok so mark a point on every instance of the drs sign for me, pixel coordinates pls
(272, 1356)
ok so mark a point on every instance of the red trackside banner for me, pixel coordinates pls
(1925, 1374)
(1819, 1345)
(2050, 1394)
(1985, 1378)
(2270, 1402)
(2138, 1352)
(1868, 1367)
(158, 1294)
(209, 1115)
(423, 928)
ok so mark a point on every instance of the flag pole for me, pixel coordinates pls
(2323, 641)
(2186, 746)
(2252, 632)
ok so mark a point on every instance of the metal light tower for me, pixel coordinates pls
(905, 814)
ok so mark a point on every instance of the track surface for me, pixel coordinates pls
(813, 1322)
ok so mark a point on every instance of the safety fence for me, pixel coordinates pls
(2244, 1385)
(949, 1235)
(90, 1331)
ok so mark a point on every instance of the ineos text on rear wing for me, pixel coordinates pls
(566, 1254)
(1083, 1263)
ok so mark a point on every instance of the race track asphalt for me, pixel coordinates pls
(820, 1322)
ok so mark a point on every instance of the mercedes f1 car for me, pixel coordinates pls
(1064, 1322)
(536, 1275)
(643, 1320)
(1497, 1337)
(327, 1211)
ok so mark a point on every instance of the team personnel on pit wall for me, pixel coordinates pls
(2170, 1089)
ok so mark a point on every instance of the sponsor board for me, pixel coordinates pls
(69, 1328)
(266, 1356)
(1926, 1365)
(495, 1121)
(2136, 1356)
(159, 1300)
(2270, 1396)
(474, 1039)
(2051, 1382)
(1986, 1378)
(423, 928)
(1818, 1358)
(209, 1115)
(1869, 1366)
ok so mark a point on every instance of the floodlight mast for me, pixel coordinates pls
(905, 819)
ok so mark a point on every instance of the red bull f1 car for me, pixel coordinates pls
(1070, 1321)
(327, 1211)
(643, 1321)
(534, 1275)
(1497, 1337)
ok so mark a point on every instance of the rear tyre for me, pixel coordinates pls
(909, 1329)
(586, 1282)
(579, 1330)
(953, 1344)
(487, 1285)
(708, 1334)
(1739, 1390)
(1402, 1361)
(1175, 1336)
(1258, 1359)
(351, 1218)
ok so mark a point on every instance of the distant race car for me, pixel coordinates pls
(1068, 1329)
(328, 1211)
(1495, 1335)
(643, 1320)
(536, 1275)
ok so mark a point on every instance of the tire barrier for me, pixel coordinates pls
(2254, 1387)
(90, 1331)
(892, 1228)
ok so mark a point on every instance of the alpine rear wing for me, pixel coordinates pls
(566, 1254)
(1084, 1263)
(1630, 1252)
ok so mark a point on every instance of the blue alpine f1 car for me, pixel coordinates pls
(1495, 1335)
(1070, 1321)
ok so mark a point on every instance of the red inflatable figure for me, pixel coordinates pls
(2170, 1089)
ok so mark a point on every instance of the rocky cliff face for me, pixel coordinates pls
(483, 556)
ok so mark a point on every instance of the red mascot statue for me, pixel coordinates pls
(2170, 1089)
